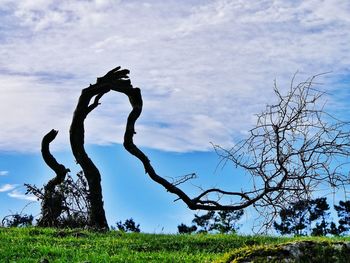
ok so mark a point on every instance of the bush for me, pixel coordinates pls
(129, 225)
(223, 222)
(17, 220)
(67, 206)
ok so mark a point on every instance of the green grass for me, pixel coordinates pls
(36, 244)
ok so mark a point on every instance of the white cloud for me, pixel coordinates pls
(3, 173)
(7, 187)
(32, 109)
(205, 67)
(19, 195)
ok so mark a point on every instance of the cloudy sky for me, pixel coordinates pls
(204, 68)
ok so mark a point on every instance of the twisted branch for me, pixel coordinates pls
(52, 200)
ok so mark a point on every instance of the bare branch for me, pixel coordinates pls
(59, 169)
(294, 148)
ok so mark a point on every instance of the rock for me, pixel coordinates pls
(298, 251)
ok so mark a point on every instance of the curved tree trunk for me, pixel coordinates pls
(136, 102)
(97, 218)
(117, 80)
(135, 98)
(103, 85)
(52, 200)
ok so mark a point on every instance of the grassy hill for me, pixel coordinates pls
(52, 245)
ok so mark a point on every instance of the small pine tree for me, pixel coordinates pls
(333, 229)
(306, 215)
(224, 222)
(294, 219)
(129, 225)
(318, 212)
(343, 211)
(204, 222)
(184, 229)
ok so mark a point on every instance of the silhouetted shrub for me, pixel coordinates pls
(69, 202)
(17, 220)
(183, 229)
(223, 222)
(129, 225)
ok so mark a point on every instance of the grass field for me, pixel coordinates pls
(38, 245)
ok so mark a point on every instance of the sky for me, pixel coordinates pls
(204, 68)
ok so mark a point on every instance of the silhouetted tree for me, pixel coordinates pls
(184, 229)
(294, 148)
(307, 217)
(17, 220)
(51, 198)
(223, 222)
(71, 210)
(129, 226)
(289, 153)
(204, 222)
(343, 211)
(319, 212)
(116, 80)
(294, 219)
(226, 221)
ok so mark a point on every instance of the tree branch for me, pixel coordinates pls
(60, 170)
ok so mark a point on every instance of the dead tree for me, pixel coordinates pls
(114, 80)
(290, 152)
(295, 149)
(51, 198)
(63, 200)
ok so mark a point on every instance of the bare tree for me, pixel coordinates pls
(116, 80)
(52, 199)
(294, 148)
(63, 200)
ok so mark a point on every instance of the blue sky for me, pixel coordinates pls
(204, 67)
